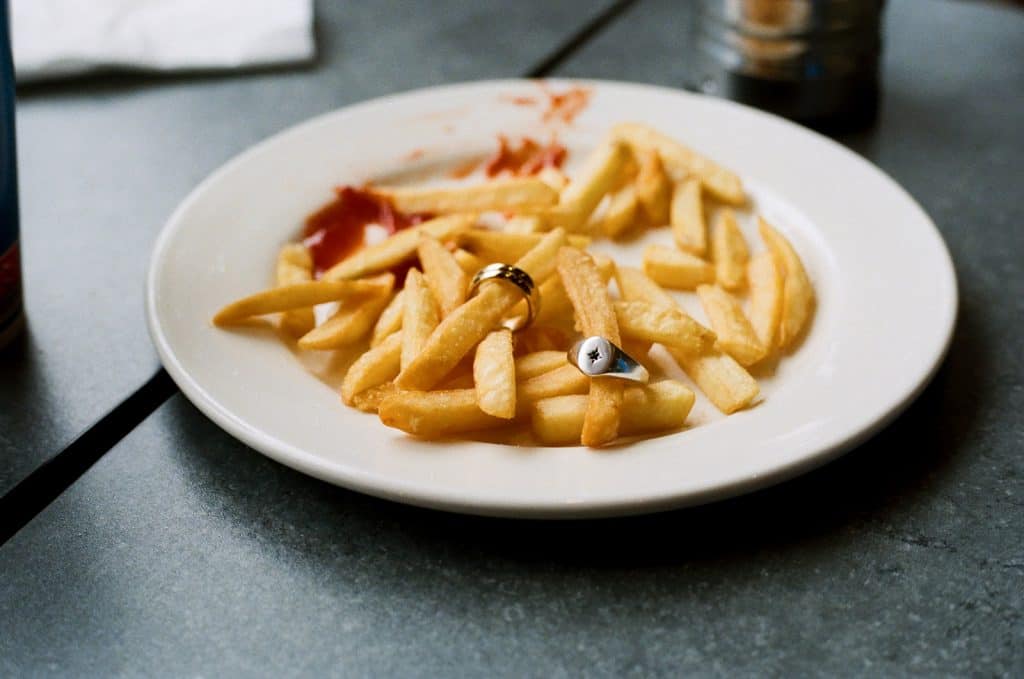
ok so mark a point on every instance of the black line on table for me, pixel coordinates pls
(21, 504)
(578, 39)
(44, 485)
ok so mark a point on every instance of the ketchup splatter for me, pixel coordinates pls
(528, 158)
(565, 106)
(338, 229)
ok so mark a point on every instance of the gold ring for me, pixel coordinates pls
(506, 273)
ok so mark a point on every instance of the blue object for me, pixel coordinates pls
(10, 266)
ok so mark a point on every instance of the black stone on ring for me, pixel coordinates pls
(508, 273)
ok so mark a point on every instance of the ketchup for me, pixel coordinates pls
(338, 229)
(528, 158)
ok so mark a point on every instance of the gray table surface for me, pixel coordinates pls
(184, 552)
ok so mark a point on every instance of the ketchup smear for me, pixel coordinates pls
(338, 229)
(524, 160)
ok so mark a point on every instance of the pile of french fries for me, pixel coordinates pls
(437, 362)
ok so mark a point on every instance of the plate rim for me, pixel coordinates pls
(386, 487)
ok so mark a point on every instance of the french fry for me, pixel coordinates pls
(729, 252)
(295, 265)
(369, 400)
(596, 316)
(653, 188)
(353, 319)
(599, 175)
(553, 177)
(621, 212)
(797, 291)
(558, 382)
(764, 277)
(502, 195)
(681, 161)
(657, 407)
(525, 224)
(724, 381)
(735, 335)
(375, 367)
(634, 284)
(675, 269)
(295, 296)
(396, 248)
(541, 338)
(459, 378)
(389, 321)
(494, 375)
(538, 363)
(469, 262)
(687, 216)
(555, 309)
(605, 265)
(444, 276)
(419, 318)
(462, 329)
(435, 414)
(668, 325)
(502, 246)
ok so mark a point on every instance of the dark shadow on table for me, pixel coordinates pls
(855, 494)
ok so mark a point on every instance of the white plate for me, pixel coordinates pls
(885, 284)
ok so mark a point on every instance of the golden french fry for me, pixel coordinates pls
(729, 252)
(681, 161)
(555, 308)
(525, 224)
(564, 380)
(634, 284)
(469, 262)
(369, 400)
(764, 276)
(675, 269)
(420, 316)
(553, 177)
(797, 291)
(735, 335)
(596, 316)
(462, 329)
(434, 414)
(653, 188)
(295, 265)
(503, 195)
(444, 276)
(541, 338)
(538, 363)
(295, 296)
(375, 367)
(724, 381)
(494, 375)
(661, 406)
(502, 246)
(599, 175)
(621, 211)
(353, 319)
(687, 216)
(396, 248)
(390, 320)
(457, 379)
(668, 325)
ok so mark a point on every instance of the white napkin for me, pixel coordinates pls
(58, 38)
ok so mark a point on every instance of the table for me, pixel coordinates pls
(181, 551)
